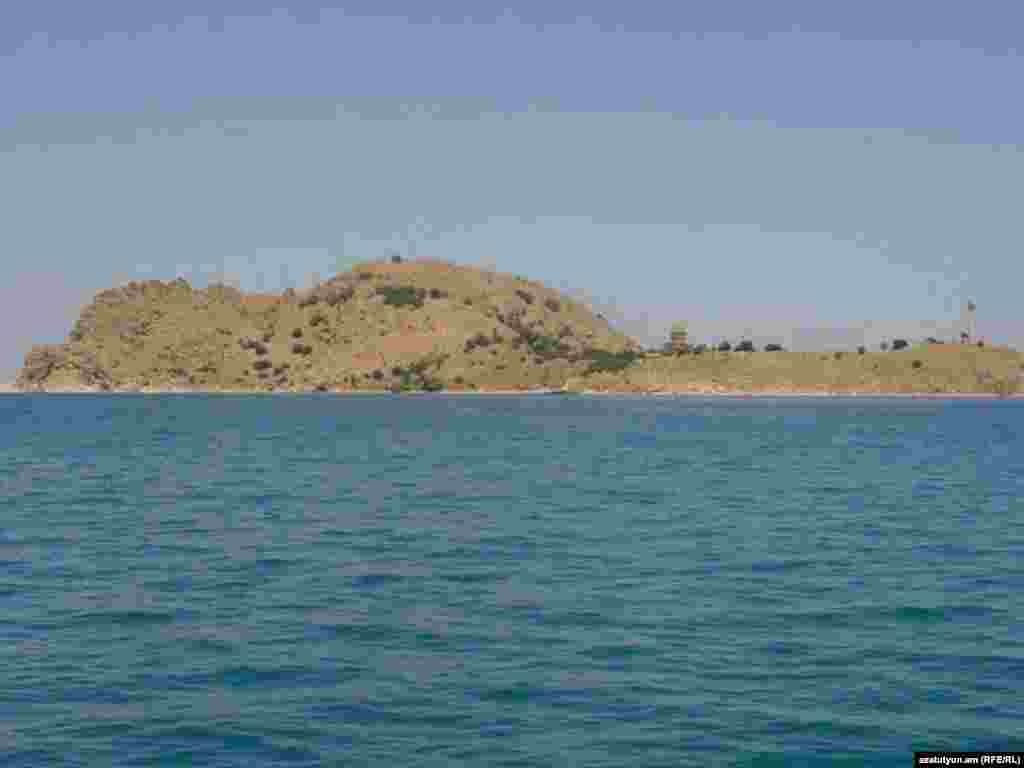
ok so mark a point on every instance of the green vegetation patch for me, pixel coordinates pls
(603, 361)
(402, 295)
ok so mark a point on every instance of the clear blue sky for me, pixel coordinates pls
(763, 168)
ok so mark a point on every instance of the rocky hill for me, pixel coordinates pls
(406, 326)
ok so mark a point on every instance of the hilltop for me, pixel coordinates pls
(384, 326)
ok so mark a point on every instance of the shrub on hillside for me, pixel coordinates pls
(401, 295)
(432, 385)
(336, 293)
(603, 361)
(547, 347)
(479, 339)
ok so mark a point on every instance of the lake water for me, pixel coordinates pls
(529, 581)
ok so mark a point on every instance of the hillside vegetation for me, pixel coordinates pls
(420, 325)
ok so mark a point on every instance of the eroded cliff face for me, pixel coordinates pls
(416, 325)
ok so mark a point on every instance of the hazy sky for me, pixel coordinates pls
(761, 168)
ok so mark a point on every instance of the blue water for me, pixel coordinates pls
(442, 580)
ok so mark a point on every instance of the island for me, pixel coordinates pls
(433, 326)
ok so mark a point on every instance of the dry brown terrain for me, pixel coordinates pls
(414, 325)
(428, 325)
(934, 369)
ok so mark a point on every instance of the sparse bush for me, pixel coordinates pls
(699, 349)
(397, 370)
(459, 380)
(401, 295)
(267, 337)
(365, 275)
(437, 293)
(861, 350)
(259, 348)
(261, 365)
(298, 348)
(981, 343)
(479, 339)
(337, 293)
(467, 301)
(317, 317)
(916, 364)
(553, 304)
(297, 333)
(547, 347)
(604, 361)
(725, 346)
(837, 355)
(773, 348)
(745, 346)
(378, 374)
(524, 295)
(898, 344)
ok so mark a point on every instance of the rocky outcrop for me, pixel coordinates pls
(63, 366)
